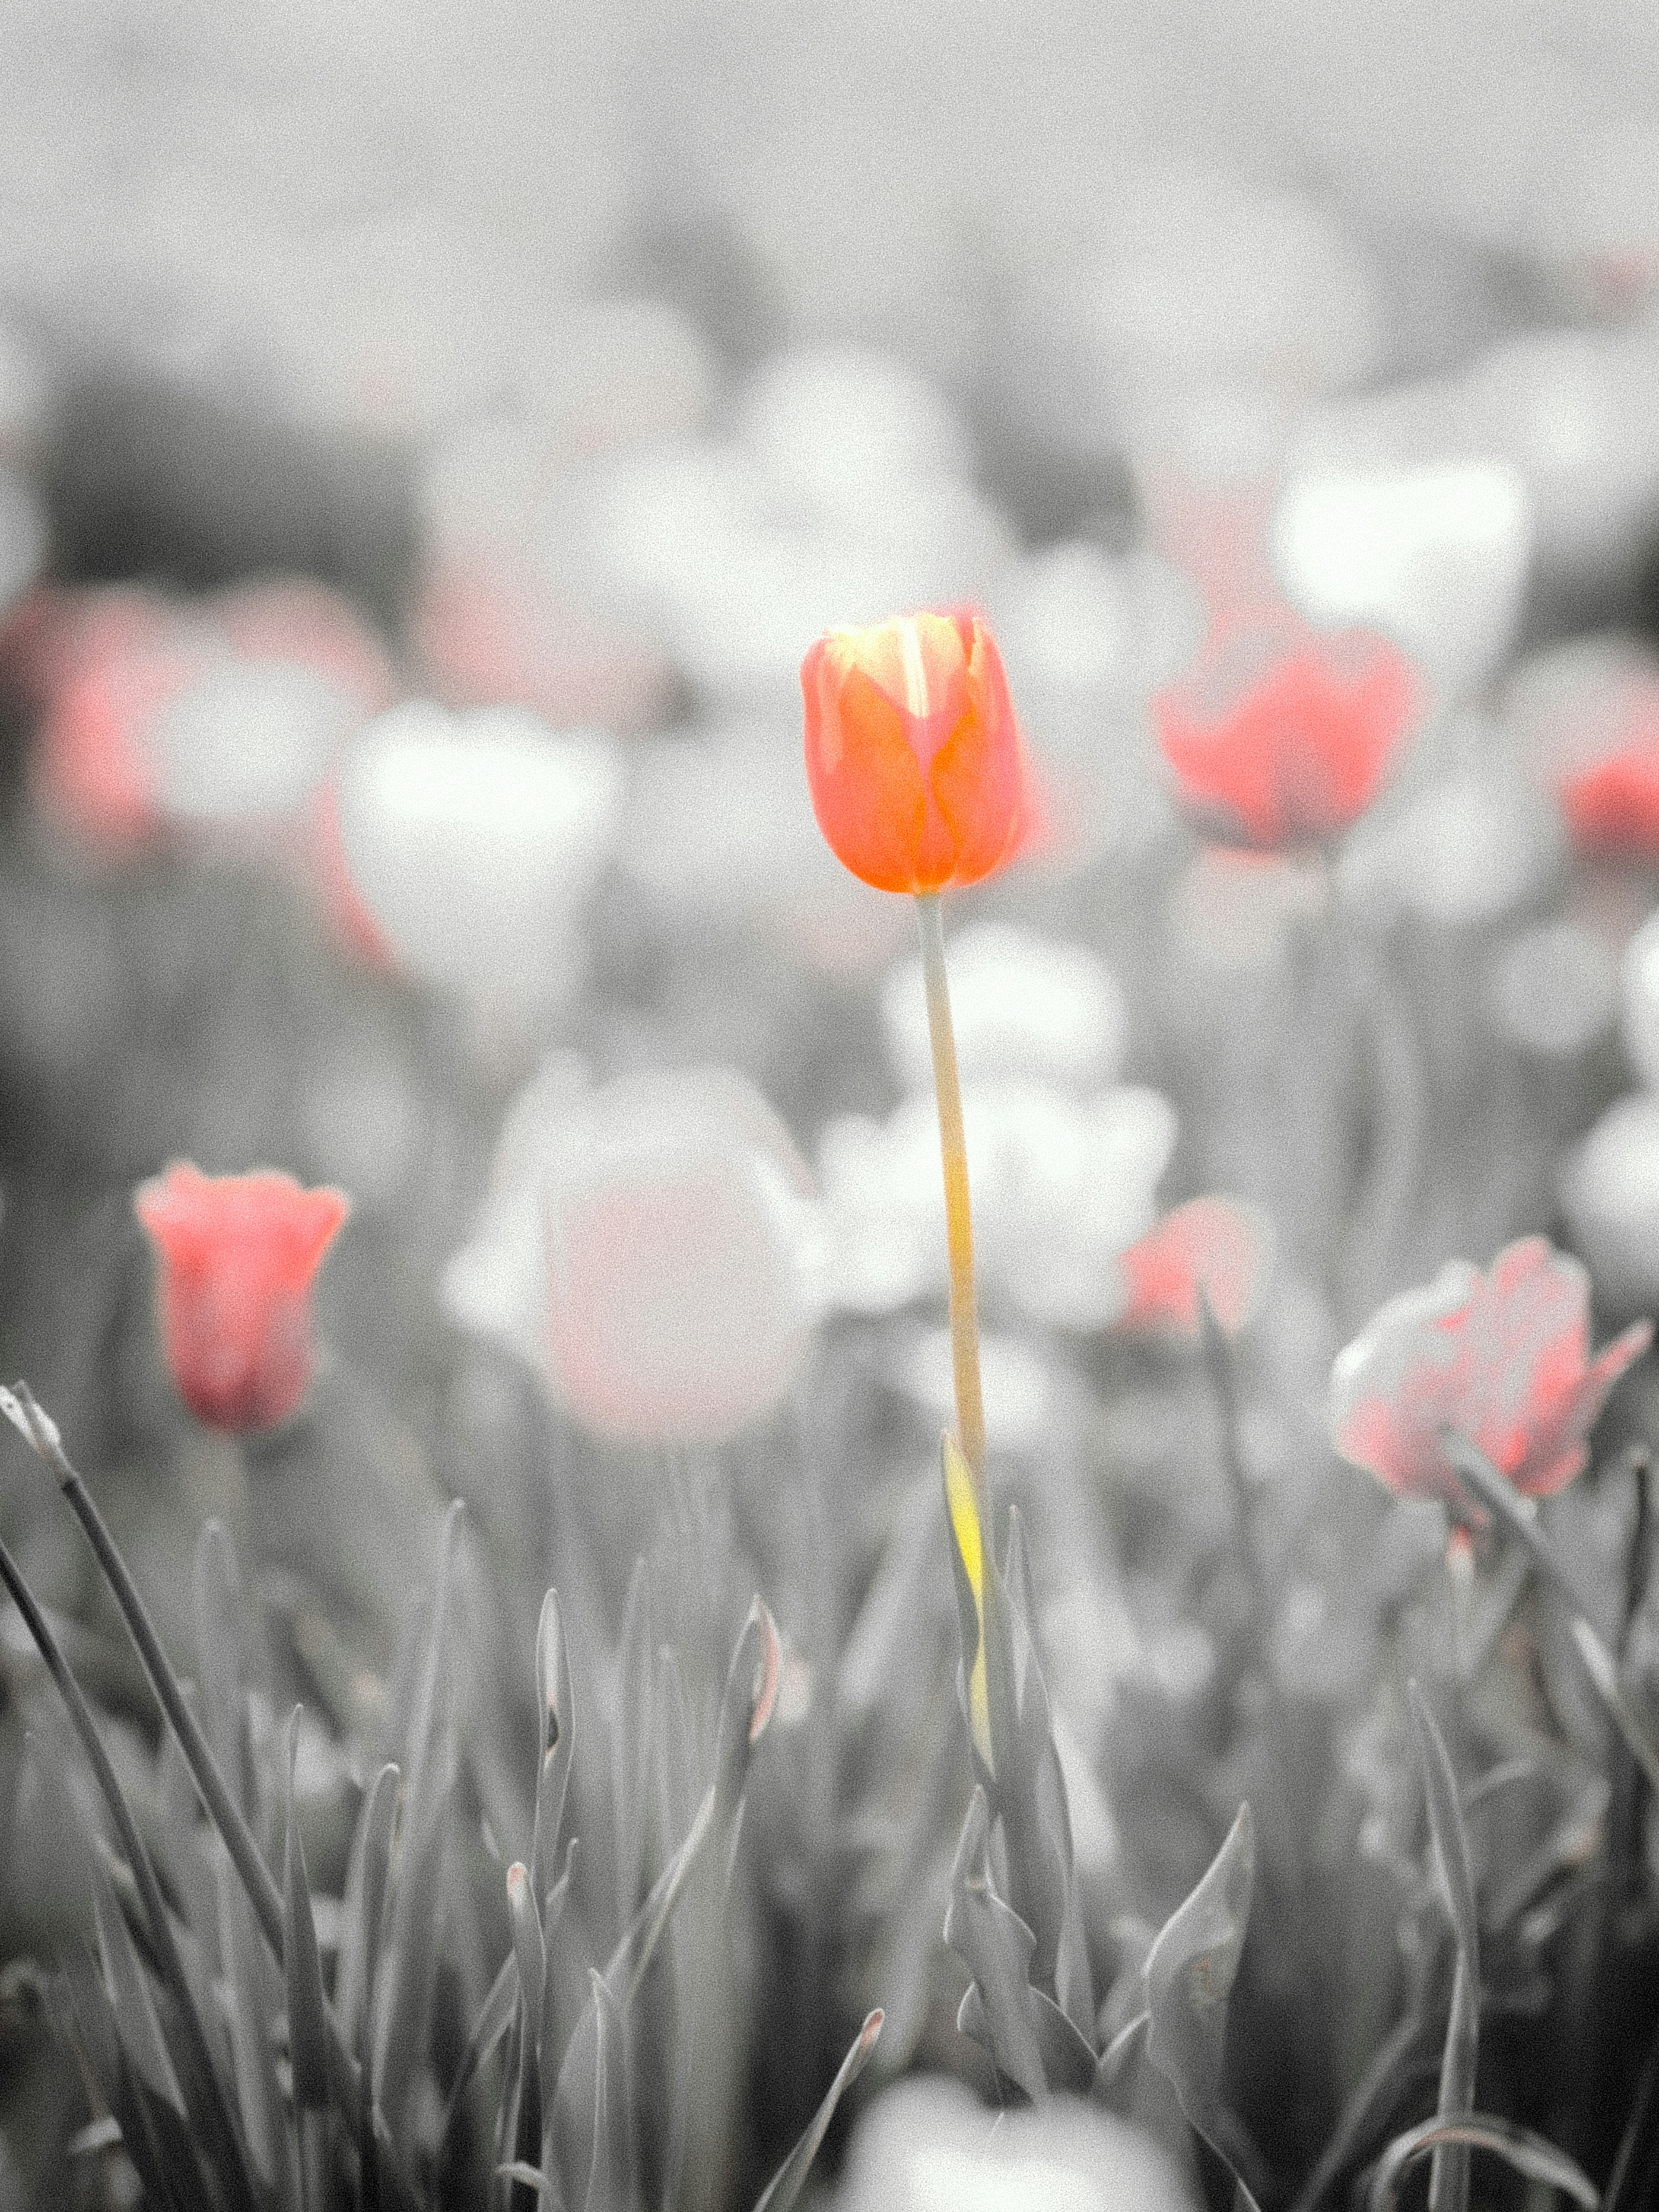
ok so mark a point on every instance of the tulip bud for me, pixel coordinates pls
(912, 754)
(1502, 1357)
(1282, 737)
(237, 1256)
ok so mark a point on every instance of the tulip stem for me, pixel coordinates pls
(959, 1221)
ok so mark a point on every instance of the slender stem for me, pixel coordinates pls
(959, 1221)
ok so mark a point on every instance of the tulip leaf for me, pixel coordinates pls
(786, 2184)
(1189, 1974)
(1446, 1828)
(1530, 2155)
(554, 1703)
(996, 1945)
(746, 1706)
(363, 1909)
(131, 2006)
(969, 1563)
(303, 1966)
(631, 1739)
(494, 2018)
(528, 1949)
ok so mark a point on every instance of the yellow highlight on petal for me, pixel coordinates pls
(970, 1548)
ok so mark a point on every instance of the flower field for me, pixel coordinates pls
(830, 1196)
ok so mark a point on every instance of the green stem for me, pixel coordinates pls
(958, 1220)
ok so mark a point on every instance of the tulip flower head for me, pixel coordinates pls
(1214, 1247)
(237, 1257)
(912, 754)
(1283, 737)
(1502, 1358)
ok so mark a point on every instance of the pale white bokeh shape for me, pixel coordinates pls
(653, 1245)
(472, 840)
(1020, 1005)
(1061, 1187)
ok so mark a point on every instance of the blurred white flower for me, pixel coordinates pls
(1436, 553)
(1072, 621)
(472, 839)
(1060, 1187)
(1609, 1189)
(1555, 989)
(1020, 1005)
(1639, 992)
(248, 740)
(653, 1244)
(837, 427)
(1017, 1380)
(928, 2146)
(838, 499)
(1478, 842)
(1574, 411)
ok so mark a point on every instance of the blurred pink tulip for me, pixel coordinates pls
(1502, 1357)
(1283, 736)
(237, 1255)
(1214, 1245)
(655, 1242)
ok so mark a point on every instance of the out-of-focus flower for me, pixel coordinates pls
(237, 1257)
(927, 2146)
(839, 494)
(654, 1244)
(1021, 1004)
(1217, 1246)
(913, 755)
(1281, 736)
(246, 742)
(1585, 719)
(1436, 553)
(1556, 990)
(1473, 845)
(105, 667)
(1502, 1357)
(227, 714)
(472, 841)
(1062, 1187)
(1609, 1186)
(718, 827)
(1639, 992)
(491, 630)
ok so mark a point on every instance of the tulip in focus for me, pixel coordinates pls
(237, 1257)
(1283, 737)
(1502, 1358)
(913, 755)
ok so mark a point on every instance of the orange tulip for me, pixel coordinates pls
(912, 754)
